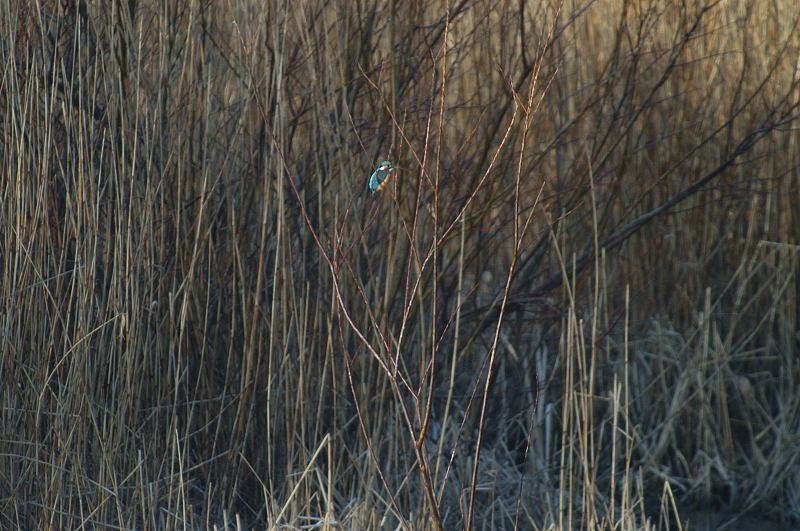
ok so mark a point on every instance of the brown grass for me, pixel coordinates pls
(574, 308)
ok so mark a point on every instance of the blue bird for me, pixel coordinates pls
(381, 175)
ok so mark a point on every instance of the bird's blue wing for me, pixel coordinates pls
(375, 181)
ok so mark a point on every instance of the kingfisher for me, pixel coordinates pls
(380, 176)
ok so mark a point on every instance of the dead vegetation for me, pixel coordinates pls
(575, 307)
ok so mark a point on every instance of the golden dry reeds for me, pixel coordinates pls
(575, 307)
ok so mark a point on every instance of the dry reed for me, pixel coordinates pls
(575, 308)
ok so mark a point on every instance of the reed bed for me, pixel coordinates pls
(574, 307)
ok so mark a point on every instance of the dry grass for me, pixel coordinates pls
(575, 308)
